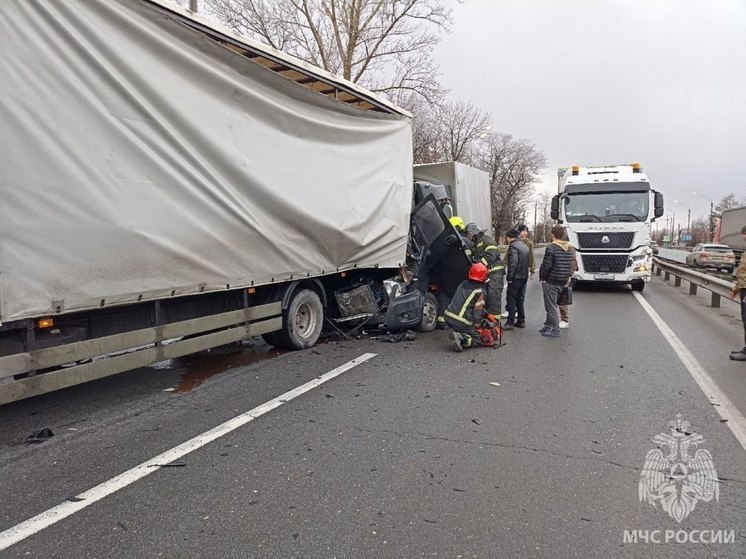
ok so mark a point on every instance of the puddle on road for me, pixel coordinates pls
(199, 367)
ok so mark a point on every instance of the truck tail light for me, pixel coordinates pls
(704, 254)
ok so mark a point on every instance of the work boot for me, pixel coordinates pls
(508, 326)
(520, 323)
(455, 338)
(740, 356)
(739, 351)
(549, 333)
(544, 329)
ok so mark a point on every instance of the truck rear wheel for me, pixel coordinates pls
(429, 314)
(301, 321)
(638, 286)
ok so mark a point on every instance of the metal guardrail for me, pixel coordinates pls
(718, 287)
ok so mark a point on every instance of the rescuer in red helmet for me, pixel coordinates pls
(466, 315)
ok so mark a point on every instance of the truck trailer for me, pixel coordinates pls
(607, 212)
(168, 186)
(728, 231)
(464, 190)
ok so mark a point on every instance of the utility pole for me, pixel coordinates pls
(711, 233)
(193, 6)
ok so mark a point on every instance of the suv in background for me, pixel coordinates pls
(718, 257)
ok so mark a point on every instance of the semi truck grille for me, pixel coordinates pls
(605, 263)
(613, 240)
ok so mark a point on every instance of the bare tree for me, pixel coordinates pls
(727, 202)
(462, 125)
(426, 132)
(384, 45)
(513, 166)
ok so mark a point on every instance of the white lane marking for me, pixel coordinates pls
(735, 419)
(33, 525)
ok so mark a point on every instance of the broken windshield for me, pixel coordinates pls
(607, 207)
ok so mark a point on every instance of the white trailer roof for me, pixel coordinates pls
(288, 66)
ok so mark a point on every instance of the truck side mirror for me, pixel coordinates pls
(554, 213)
(658, 204)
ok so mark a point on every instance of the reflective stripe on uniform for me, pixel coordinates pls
(465, 307)
(454, 316)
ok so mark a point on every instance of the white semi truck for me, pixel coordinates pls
(607, 212)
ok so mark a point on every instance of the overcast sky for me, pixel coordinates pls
(594, 82)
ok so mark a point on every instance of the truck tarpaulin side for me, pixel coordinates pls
(140, 159)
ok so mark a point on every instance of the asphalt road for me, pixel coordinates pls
(412, 453)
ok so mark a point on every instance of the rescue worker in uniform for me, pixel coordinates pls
(485, 251)
(466, 311)
(460, 227)
(443, 298)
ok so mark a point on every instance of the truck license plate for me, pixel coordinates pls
(603, 276)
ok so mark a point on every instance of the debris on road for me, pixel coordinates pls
(409, 336)
(39, 436)
(497, 383)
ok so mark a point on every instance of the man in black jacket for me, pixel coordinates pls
(555, 272)
(517, 278)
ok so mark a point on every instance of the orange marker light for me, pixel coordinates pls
(575, 169)
(636, 168)
(251, 290)
(343, 274)
(45, 323)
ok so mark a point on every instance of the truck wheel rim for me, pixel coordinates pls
(305, 320)
(429, 312)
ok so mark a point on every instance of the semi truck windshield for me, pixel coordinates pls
(607, 207)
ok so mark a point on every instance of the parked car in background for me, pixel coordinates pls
(654, 247)
(718, 257)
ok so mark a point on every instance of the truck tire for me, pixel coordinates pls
(638, 286)
(429, 314)
(301, 321)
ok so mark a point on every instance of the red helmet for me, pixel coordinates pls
(478, 272)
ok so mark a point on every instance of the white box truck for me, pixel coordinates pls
(607, 212)
(467, 190)
(728, 231)
(168, 186)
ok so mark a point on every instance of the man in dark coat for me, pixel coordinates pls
(523, 230)
(739, 290)
(554, 273)
(517, 277)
